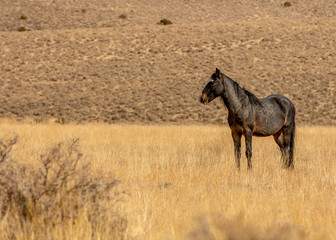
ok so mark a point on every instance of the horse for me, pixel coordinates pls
(251, 116)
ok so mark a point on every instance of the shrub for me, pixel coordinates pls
(23, 17)
(165, 22)
(287, 4)
(23, 29)
(61, 193)
(123, 16)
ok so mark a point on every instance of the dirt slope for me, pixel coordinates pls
(81, 62)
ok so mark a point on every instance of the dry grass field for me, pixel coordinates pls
(180, 182)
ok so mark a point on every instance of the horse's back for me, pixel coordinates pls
(281, 101)
(273, 113)
(279, 98)
(286, 106)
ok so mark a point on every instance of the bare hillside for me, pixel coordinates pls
(81, 61)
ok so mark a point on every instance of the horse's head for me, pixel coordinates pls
(212, 89)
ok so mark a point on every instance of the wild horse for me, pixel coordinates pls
(249, 115)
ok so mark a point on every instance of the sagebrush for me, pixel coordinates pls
(60, 193)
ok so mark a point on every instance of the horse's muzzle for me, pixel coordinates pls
(203, 100)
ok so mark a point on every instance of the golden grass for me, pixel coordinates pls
(182, 181)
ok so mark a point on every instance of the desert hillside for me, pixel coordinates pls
(109, 61)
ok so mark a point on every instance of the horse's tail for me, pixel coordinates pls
(291, 145)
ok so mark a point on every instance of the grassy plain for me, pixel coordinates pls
(181, 181)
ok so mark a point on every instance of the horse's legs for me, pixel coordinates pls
(237, 143)
(288, 142)
(289, 132)
(279, 139)
(248, 143)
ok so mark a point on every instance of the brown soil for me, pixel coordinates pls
(81, 62)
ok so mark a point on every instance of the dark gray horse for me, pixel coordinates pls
(249, 115)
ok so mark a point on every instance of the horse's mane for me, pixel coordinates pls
(252, 97)
(240, 90)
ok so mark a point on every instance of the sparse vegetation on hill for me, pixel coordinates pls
(165, 21)
(287, 4)
(23, 17)
(156, 80)
(123, 16)
(85, 64)
(23, 29)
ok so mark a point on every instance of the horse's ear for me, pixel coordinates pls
(217, 72)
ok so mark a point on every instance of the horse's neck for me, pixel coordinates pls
(232, 95)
